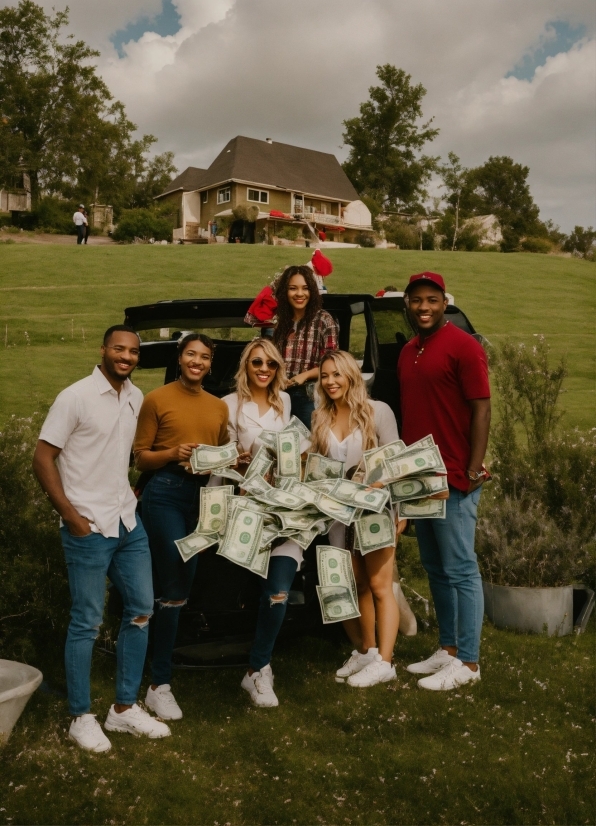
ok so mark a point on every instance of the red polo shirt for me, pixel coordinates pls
(436, 384)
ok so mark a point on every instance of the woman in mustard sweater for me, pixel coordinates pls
(173, 420)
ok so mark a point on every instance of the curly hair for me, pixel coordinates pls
(279, 380)
(285, 312)
(361, 411)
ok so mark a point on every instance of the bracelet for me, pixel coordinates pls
(475, 475)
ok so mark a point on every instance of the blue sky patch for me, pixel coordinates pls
(560, 37)
(164, 23)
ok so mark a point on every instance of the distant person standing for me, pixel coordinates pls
(443, 375)
(87, 227)
(81, 223)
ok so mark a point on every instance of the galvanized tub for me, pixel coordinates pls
(539, 610)
(17, 683)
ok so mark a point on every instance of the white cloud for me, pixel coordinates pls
(295, 71)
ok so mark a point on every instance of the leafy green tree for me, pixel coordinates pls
(385, 141)
(581, 242)
(500, 187)
(58, 120)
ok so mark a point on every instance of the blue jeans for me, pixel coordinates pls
(302, 406)
(272, 611)
(127, 562)
(447, 554)
(170, 511)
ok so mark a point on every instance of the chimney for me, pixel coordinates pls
(268, 140)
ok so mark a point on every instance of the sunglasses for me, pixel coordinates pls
(272, 365)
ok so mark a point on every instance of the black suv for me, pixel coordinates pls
(218, 624)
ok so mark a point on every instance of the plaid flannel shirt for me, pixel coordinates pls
(304, 348)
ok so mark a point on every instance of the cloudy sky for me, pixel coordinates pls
(504, 77)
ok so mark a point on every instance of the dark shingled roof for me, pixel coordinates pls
(279, 165)
(189, 180)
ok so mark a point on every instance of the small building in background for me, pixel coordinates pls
(295, 193)
(102, 217)
(16, 197)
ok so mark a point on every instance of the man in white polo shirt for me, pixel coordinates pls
(80, 223)
(81, 461)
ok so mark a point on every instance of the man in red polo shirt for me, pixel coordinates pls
(443, 375)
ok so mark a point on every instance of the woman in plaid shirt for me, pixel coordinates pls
(303, 333)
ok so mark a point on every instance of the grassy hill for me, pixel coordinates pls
(56, 302)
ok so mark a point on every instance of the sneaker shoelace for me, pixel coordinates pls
(263, 685)
(168, 698)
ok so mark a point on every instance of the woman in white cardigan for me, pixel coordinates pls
(259, 404)
(346, 423)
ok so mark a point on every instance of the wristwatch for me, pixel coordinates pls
(475, 475)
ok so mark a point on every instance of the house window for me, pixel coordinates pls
(224, 195)
(259, 195)
(205, 196)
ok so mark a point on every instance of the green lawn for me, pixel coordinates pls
(517, 748)
(56, 301)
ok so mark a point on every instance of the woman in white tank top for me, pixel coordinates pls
(346, 423)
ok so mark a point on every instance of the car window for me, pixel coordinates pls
(390, 322)
(358, 336)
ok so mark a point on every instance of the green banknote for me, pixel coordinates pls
(288, 453)
(351, 493)
(422, 509)
(337, 587)
(213, 511)
(416, 487)
(375, 531)
(320, 467)
(194, 543)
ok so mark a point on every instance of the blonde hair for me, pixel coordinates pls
(279, 379)
(361, 411)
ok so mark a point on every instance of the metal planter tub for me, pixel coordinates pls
(17, 683)
(551, 611)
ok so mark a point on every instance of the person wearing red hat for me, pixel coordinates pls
(443, 375)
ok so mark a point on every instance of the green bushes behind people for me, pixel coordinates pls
(143, 224)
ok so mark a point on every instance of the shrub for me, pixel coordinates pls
(143, 224)
(365, 240)
(404, 235)
(533, 244)
(537, 525)
(34, 595)
(289, 232)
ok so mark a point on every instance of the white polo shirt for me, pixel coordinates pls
(79, 219)
(95, 428)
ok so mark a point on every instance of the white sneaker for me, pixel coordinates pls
(435, 663)
(136, 721)
(260, 687)
(452, 675)
(377, 671)
(354, 663)
(88, 734)
(163, 703)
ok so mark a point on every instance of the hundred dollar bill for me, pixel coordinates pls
(422, 509)
(213, 511)
(298, 520)
(302, 490)
(296, 424)
(194, 543)
(337, 510)
(350, 493)
(242, 539)
(260, 464)
(269, 438)
(373, 459)
(230, 473)
(320, 467)
(288, 453)
(211, 457)
(280, 498)
(413, 464)
(416, 487)
(374, 531)
(337, 586)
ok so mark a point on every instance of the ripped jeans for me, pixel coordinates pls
(272, 609)
(127, 562)
(170, 511)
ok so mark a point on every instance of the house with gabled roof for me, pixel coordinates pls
(288, 185)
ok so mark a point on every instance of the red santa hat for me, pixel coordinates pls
(322, 266)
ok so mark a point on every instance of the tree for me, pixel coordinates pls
(455, 179)
(385, 163)
(581, 242)
(58, 120)
(500, 187)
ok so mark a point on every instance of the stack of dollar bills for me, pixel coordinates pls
(304, 500)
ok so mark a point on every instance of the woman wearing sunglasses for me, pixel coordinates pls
(259, 404)
(346, 423)
(303, 333)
